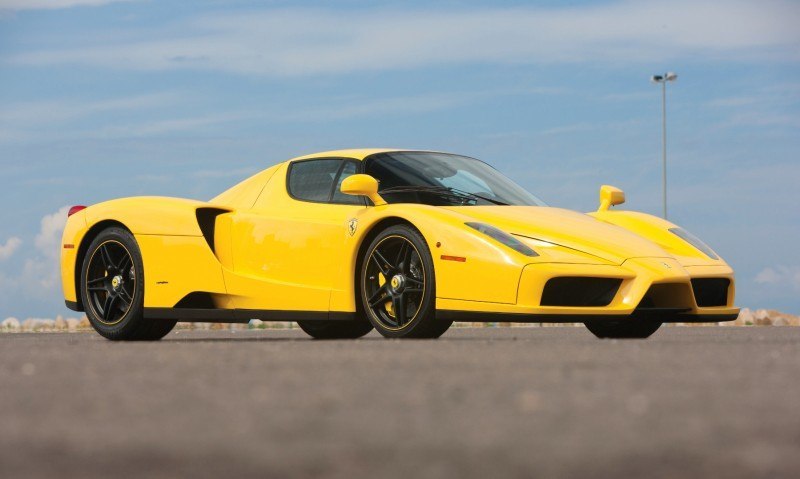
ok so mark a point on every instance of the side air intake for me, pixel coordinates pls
(206, 219)
(580, 291)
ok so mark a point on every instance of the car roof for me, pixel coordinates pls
(355, 153)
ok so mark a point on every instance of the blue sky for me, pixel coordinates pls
(102, 99)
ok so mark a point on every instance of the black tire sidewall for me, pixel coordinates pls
(133, 320)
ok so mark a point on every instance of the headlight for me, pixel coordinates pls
(503, 237)
(694, 241)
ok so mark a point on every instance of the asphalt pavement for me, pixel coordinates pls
(477, 403)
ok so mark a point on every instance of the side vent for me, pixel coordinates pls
(206, 219)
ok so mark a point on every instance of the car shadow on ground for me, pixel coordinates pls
(321, 341)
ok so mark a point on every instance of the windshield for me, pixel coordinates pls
(441, 179)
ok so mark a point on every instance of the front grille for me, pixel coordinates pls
(711, 291)
(580, 291)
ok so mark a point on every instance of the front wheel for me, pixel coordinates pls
(626, 329)
(397, 287)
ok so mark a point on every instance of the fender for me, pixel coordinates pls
(447, 236)
(150, 215)
(175, 237)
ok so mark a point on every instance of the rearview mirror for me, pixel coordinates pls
(610, 196)
(362, 185)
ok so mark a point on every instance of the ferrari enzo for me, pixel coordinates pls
(405, 242)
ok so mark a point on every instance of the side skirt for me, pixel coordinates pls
(243, 315)
(483, 317)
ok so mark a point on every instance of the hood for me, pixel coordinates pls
(566, 228)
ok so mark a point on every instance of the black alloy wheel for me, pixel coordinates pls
(111, 282)
(397, 285)
(112, 289)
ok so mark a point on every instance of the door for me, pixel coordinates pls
(287, 250)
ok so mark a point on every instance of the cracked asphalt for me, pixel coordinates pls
(477, 403)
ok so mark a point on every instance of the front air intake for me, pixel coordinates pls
(580, 291)
(711, 291)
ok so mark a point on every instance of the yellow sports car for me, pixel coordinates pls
(405, 242)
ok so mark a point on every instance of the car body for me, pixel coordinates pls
(260, 251)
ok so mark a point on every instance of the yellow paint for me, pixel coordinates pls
(610, 196)
(274, 252)
(74, 231)
(175, 266)
(363, 185)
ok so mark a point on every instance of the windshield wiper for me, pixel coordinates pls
(435, 190)
(441, 190)
(475, 195)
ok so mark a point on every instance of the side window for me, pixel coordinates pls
(348, 169)
(312, 180)
(320, 180)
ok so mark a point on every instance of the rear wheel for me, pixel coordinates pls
(397, 289)
(112, 289)
(626, 329)
(332, 329)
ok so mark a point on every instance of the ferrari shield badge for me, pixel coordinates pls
(352, 225)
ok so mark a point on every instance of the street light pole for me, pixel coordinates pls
(663, 79)
(664, 146)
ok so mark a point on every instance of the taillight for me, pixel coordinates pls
(75, 209)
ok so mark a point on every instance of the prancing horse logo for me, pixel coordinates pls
(352, 225)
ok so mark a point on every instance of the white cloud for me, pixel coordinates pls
(40, 112)
(48, 240)
(174, 125)
(359, 107)
(780, 276)
(236, 172)
(10, 246)
(41, 272)
(760, 118)
(52, 4)
(26, 122)
(733, 101)
(40, 276)
(308, 42)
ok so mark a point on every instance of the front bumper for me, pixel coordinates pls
(641, 281)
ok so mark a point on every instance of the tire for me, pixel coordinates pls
(333, 329)
(396, 274)
(112, 289)
(157, 330)
(626, 329)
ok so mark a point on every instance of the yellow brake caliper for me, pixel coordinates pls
(388, 304)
